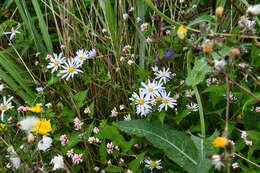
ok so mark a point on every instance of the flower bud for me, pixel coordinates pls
(219, 12)
(30, 138)
(235, 52)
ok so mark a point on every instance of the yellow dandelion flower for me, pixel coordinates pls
(36, 109)
(2, 127)
(182, 32)
(220, 142)
(42, 127)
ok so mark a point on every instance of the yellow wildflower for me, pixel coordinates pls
(182, 32)
(43, 127)
(2, 127)
(220, 142)
(36, 109)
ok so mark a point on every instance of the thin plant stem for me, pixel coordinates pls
(249, 161)
(244, 89)
(202, 119)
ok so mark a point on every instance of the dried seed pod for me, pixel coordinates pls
(208, 47)
(219, 12)
(233, 53)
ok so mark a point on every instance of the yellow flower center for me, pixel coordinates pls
(166, 101)
(220, 142)
(153, 164)
(158, 99)
(56, 63)
(3, 108)
(141, 102)
(163, 75)
(71, 69)
(12, 31)
(81, 58)
(150, 89)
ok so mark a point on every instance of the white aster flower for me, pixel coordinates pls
(142, 103)
(91, 53)
(152, 164)
(127, 117)
(189, 93)
(45, 143)
(5, 106)
(152, 89)
(70, 68)
(58, 162)
(231, 97)
(28, 123)
(81, 55)
(167, 101)
(56, 61)
(163, 75)
(193, 106)
(155, 68)
(13, 32)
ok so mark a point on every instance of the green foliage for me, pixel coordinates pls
(198, 73)
(176, 145)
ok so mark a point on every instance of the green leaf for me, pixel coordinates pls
(91, 108)
(112, 169)
(215, 93)
(179, 117)
(204, 18)
(204, 148)
(198, 72)
(80, 98)
(176, 145)
(254, 57)
(103, 151)
(112, 133)
(135, 164)
(252, 120)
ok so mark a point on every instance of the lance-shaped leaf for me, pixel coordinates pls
(176, 145)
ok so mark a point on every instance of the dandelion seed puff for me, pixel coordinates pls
(28, 123)
(254, 10)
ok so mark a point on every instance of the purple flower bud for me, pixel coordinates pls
(168, 54)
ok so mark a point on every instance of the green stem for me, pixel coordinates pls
(202, 120)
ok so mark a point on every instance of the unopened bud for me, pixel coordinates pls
(219, 12)
(235, 52)
(30, 138)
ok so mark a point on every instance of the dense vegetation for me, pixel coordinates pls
(129, 86)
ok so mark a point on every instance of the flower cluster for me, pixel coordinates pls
(244, 135)
(76, 158)
(70, 66)
(111, 148)
(153, 93)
